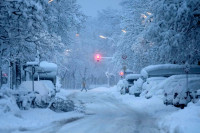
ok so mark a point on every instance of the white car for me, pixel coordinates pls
(124, 87)
(149, 87)
(136, 88)
(128, 82)
(161, 70)
(174, 89)
(184, 93)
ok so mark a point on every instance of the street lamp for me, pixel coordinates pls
(124, 31)
(103, 37)
(50, 1)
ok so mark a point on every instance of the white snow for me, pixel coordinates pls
(44, 87)
(137, 87)
(47, 66)
(132, 76)
(169, 85)
(168, 70)
(148, 88)
(183, 121)
(105, 110)
(34, 63)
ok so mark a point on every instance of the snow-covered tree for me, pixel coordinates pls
(30, 25)
(175, 31)
(135, 14)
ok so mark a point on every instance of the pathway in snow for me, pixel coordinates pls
(104, 113)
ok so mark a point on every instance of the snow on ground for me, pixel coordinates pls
(183, 121)
(104, 110)
(32, 119)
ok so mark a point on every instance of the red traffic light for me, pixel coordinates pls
(121, 73)
(97, 57)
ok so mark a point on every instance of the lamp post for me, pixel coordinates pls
(109, 38)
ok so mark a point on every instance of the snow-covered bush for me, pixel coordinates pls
(7, 102)
(62, 105)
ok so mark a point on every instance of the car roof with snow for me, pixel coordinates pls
(132, 76)
(166, 70)
(169, 84)
(156, 78)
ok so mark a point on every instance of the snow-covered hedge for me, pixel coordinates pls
(7, 102)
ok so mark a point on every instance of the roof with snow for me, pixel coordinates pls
(47, 66)
(133, 76)
(166, 70)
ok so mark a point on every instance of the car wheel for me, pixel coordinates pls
(182, 106)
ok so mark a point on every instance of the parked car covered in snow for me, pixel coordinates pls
(128, 82)
(41, 96)
(179, 92)
(137, 87)
(185, 92)
(162, 70)
(149, 89)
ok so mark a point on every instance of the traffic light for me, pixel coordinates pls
(121, 73)
(97, 57)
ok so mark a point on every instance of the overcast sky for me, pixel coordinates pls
(91, 7)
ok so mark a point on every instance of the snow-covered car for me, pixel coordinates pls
(161, 70)
(149, 89)
(174, 89)
(128, 82)
(185, 93)
(124, 87)
(41, 96)
(136, 88)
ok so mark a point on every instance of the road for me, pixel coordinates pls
(104, 113)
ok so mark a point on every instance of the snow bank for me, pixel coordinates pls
(7, 102)
(183, 121)
(63, 93)
(34, 119)
(168, 70)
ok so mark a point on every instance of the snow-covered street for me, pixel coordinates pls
(103, 113)
(103, 110)
(100, 66)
